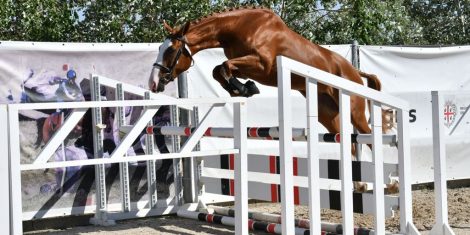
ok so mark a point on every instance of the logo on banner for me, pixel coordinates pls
(450, 111)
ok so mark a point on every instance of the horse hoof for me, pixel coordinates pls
(251, 87)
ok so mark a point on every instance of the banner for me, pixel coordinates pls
(33, 72)
(411, 73)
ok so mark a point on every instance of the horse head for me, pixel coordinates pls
(174, 57)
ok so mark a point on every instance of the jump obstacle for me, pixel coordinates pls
(286, 193)
(298, 134)
(268, 222)
(240, 183)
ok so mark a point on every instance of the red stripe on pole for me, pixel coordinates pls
(231, 167)
(272, 170)
(296, 189)
(253, 132)
(338, 138)
(208, 132)
(187, 131)
(149, 130)
(210, 218)
(303, 223)
(270, 228)
(250, 224)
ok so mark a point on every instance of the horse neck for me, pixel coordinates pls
(203, 36)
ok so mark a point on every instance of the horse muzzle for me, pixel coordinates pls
(160, 87)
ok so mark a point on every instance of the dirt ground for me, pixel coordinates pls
(423, 213)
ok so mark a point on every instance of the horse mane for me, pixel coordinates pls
(226, 10)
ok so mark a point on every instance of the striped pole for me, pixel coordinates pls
(273, 228)
(331, 228)
(298, 134)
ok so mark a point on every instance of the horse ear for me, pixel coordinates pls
(167, 27)
(184, 29)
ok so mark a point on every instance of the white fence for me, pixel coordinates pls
(346, 89)
(10, 146)
(14, 219)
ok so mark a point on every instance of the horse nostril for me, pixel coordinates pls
(154, 87)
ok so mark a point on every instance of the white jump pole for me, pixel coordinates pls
(285, 146)
(440, 177)
(346, 164)
(241, 168)
(4, 172)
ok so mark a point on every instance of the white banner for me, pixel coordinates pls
(32, 71)
(411, 73)
(56, 72)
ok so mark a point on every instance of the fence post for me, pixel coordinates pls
(355, 63)
(377, 158)
(313, 157)
(16, 207)
(123, 166)
(151, 171)
(241, 169)
(4, 172)
(100, 177)
(346, 164)
(440, 177)
(285, 146)
(404, 162)
(189, 184)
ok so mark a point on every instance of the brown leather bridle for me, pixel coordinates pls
(168, 71)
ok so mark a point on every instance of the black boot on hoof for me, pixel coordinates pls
(238, 87)
(252, 88)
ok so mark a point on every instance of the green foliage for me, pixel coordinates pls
(39, 20)
(390, 22)
(441, 22)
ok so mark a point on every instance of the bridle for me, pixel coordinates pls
(168, 71)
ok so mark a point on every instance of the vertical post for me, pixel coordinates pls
(189, 195)
(241, 169)
(355, 63)
(440, 177)
(16, 208)
(285, 146)
(406, 207)
(151, 172)
(100, 178)
(62, 148)
(196, 162)
(377, 158)
(175, 140)
(313, 157)
(346, 164)
(123, 166)
(4, 172)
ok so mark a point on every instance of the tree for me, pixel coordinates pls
(441, 22)
(38, 20)
(368, 22)
(393, 22)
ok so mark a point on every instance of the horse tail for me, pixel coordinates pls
(374, 83)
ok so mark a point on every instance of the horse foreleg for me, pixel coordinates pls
(218, 75)
(239, 67)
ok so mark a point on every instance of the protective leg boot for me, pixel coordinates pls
(252, 88)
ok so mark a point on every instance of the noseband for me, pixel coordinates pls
(169, 70)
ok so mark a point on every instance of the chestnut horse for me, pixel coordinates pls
(251, 39)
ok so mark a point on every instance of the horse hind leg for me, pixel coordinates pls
(329, 117)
